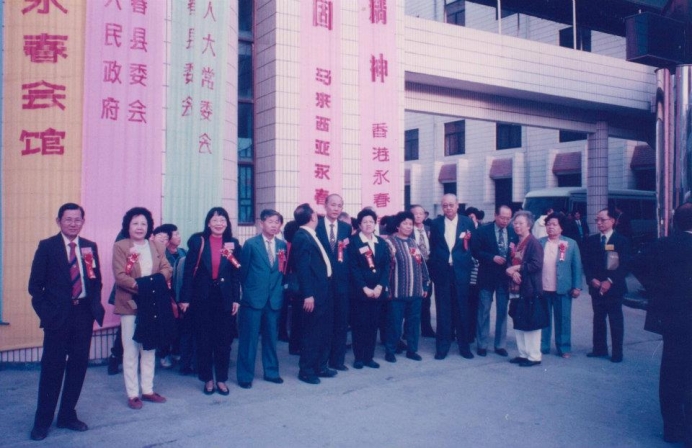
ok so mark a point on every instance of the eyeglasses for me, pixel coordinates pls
(72, 221)
(602, 219)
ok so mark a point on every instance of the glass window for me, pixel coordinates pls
(449, 188)
(508, 136)
(570, 136)
(455, 138)
(411, 145)
(245, 16)
(246, 189)
(245, 131)
(583, 38)
(455, 12)
(245, 70)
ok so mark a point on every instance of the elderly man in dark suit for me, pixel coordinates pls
(333, 235)
(65, 287)
(606, 258)
(665, 269)
(450, 268)
(492, 250)
(310, 262)
(261, 275)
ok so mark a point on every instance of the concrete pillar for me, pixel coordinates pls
(597, 178)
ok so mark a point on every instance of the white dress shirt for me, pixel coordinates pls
(451, 234)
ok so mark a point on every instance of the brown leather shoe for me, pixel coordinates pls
(154, 398)
(134, 403)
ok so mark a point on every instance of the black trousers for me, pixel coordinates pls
(188, 351)
(610, 308)
(63, 365)
(366, 319)
(337, 355)
(675, 386)
(453, 316)
(215, 329)
(316, 338)
(295, 338)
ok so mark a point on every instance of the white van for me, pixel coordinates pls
(638, 205)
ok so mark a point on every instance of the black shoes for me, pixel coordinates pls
(501, 352)
(222, 389)
(390, 357)
(466, 353)
(414, 356)
(616, 358)
(113, 365)
(74, 425)
(38, 433)
(440, 355)
(327, 373)
(310, 379)
(482, 352)
(529, 363)
(340, 367)
(518, 360)
(357, 364)
(596, 355)
(372, 364)
(277, 380)
(245, 384)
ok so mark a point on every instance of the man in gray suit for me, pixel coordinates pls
(262, 269)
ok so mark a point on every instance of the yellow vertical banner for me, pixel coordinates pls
(42, 143)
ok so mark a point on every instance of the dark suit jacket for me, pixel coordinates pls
(361, 274)
(197, 288)
(439, 252)
(665, 269)
(485, 248)
(340, 270)
(595, 264)
(50, 284)
(307, 262)
(261, 283)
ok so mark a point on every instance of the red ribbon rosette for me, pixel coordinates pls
(415, 253)
(282, 260)
(340, 251)
(368, 256)
(228, 254)
(131, 260)
(563, 248)
(89, 262)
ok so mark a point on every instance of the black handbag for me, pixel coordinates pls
(529, 313)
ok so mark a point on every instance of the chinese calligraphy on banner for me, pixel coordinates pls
(321, 121)
(379, 119)
(123, 113)
(42, 137)
(198, 103)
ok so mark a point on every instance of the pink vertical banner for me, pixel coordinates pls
(379, 123)
(321, 121)
(123, 117)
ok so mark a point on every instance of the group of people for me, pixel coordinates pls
(335, 276)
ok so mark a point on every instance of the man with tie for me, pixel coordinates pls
(263, 263)
(606, 258)
(65, 288)
(310, 262)
(492, 250)
(333, 234)
(450, 268)
(421, 233)
(582, 227)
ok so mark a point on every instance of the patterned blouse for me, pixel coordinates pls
(409, 275)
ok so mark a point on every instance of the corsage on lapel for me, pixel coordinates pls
(89, 261)
(227, 252)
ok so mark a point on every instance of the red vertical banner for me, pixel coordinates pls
(321, 119)
(378, 100)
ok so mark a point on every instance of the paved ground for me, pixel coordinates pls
(485, 402)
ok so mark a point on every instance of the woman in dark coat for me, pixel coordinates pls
(525, 277)
(211, 290)
(369, 262)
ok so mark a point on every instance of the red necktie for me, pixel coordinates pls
(74, 273)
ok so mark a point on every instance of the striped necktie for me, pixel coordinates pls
(74, 272)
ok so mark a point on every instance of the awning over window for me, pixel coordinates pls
(644, 158)
(501, 169)
(448, 173)
(407, 176)
(567, 163)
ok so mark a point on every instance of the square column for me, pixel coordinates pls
(597, 178)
